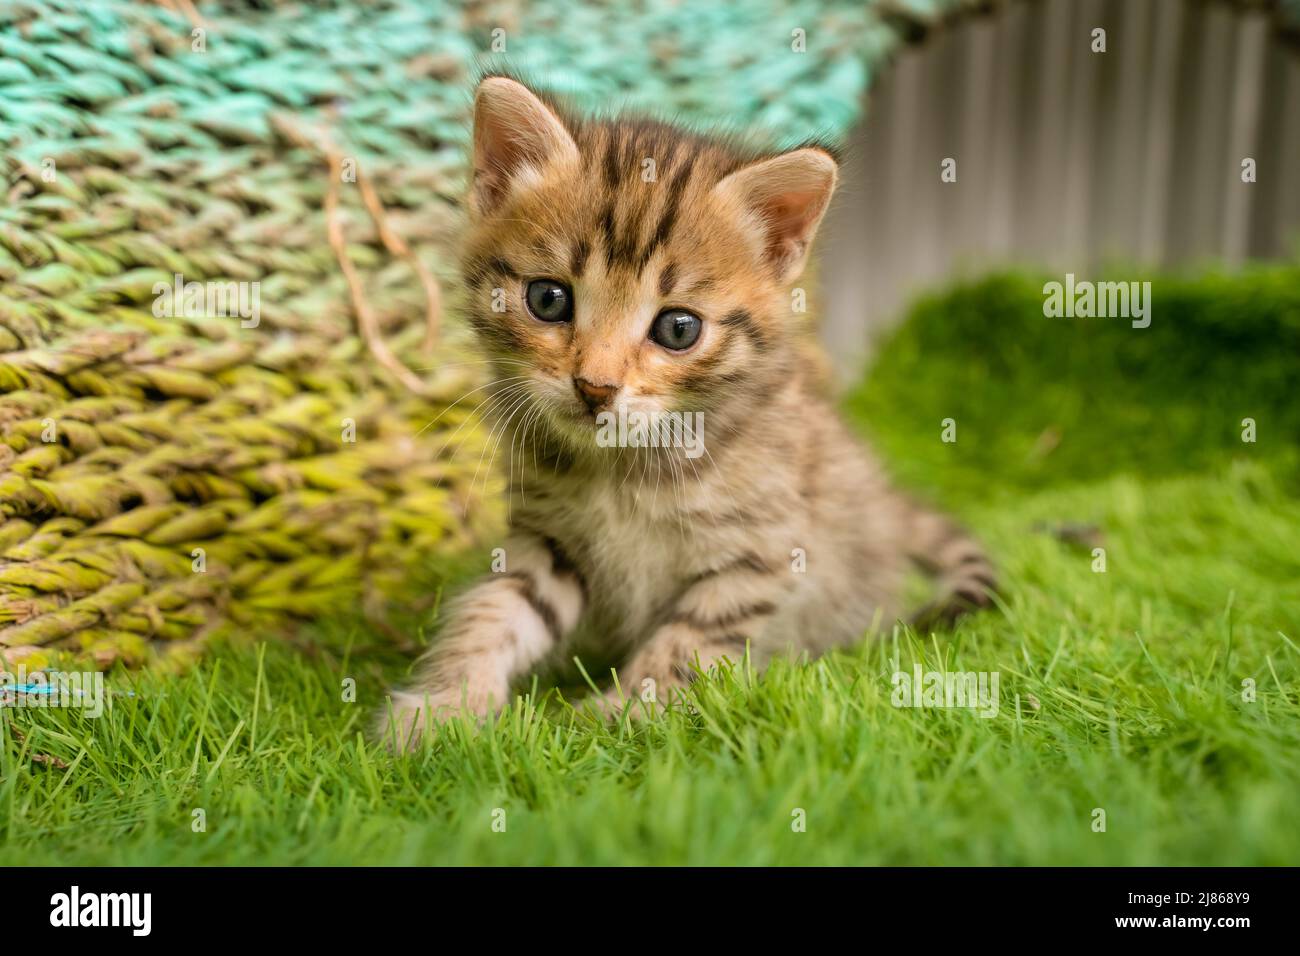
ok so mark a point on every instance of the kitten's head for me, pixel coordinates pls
(628, 262)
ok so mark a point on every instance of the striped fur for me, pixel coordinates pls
(784, 538)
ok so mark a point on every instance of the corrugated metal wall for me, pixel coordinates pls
(1065, 158)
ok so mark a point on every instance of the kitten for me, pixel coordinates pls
(622, 267)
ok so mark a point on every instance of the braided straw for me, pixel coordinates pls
(166, 478)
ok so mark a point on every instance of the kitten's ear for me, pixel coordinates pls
(785, 198)
(514, 132)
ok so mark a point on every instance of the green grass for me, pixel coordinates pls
(1120, 690)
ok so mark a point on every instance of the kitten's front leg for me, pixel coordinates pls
(716, 616)
(495, 632)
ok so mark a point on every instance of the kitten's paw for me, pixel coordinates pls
(943, 613)
(411, 716)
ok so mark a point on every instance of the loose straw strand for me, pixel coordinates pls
(367, 325)
(186, 9)
(398, 246)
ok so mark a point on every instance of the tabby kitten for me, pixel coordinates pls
(618, 267)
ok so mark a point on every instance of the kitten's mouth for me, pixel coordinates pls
(581, 414)
(584, 426)
(595, 416)
(575, 421)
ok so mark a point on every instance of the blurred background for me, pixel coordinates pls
(1075, 151)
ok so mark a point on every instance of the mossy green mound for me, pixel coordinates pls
(1040, 401)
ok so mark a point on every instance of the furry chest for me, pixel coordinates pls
(636, 558)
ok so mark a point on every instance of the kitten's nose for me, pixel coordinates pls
(594, 395)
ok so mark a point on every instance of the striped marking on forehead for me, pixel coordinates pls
(639, 215)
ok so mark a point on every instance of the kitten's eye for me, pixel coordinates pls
(675, 329)
(550, 301)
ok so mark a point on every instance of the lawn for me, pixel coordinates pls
(1162, 691)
